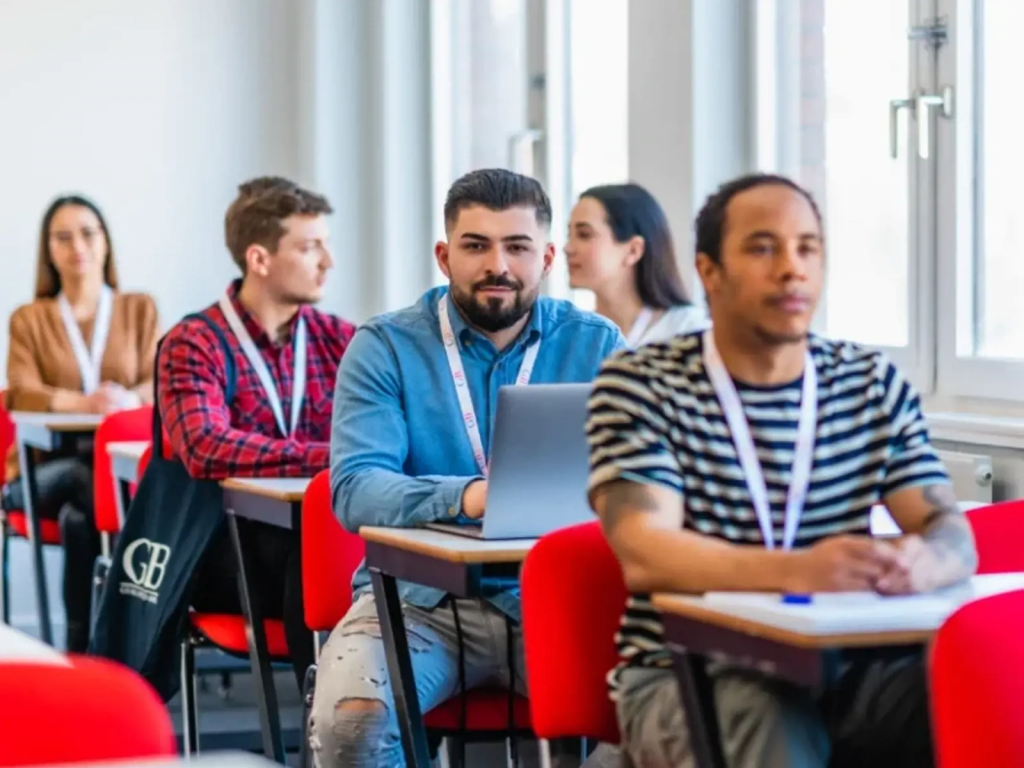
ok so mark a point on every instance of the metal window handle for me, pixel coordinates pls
(920, 105)
(923, 103)
(895, 105)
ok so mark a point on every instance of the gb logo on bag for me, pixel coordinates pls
(145, 564)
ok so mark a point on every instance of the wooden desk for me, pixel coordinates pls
(459, 565)
(19, 648)
(798, 643)
(124, 466)
(271, 500)
(208, 760)
(46, 432)
(277, 502)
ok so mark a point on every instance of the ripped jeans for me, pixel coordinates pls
(353, 719)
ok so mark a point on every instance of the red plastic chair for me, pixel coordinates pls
(573, 598)
(998, 534)
(976, 676)
(15, 522)
(223, 631)
(134, 424)
(91, 710)
(330, 556)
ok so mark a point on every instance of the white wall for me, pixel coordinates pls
(158, 109)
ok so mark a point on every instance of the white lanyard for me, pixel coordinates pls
(90, 360)
(260, 366)
(451, 349)
(803, 450)
(640, 326)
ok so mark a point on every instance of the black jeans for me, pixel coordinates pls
(66, 494)
(275, 553)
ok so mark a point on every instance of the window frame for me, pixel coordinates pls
(944, 248)
(959, 374)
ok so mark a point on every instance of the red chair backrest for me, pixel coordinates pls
(330, 555)
(976, 682)
(93, 710)
(7, 435)
(134, 424)
(999, 536)
(573, 598)
(144, 460)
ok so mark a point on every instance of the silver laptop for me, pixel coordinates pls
(539, 464)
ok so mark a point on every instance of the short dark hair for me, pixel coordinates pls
(632, 211)
(709, 228)
(255, 217)
(497, 189)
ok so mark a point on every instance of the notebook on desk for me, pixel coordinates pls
(539, 464)
(841, 612)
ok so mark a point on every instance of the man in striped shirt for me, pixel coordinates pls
(748, 458)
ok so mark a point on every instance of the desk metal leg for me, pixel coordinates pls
(403, 683)
(26, 458)
(259, 657)
(698, 698)
(123, 499)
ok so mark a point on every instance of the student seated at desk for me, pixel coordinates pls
(407, 449)
(620, 247)
(748, 458)
(80, 347)
(277, 234)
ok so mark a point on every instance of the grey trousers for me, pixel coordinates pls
(875, 715)
(353, 671)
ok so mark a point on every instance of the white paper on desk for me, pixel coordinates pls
(835, 613)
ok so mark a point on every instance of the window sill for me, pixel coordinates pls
(977, 429)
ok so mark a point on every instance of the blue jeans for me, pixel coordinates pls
(353, 719)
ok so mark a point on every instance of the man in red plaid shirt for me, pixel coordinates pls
(278, 422)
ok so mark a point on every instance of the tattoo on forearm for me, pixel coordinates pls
(947, 530)
(623, 498)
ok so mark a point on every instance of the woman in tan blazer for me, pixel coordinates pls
(80, 347)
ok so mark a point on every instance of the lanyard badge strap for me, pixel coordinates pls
(89, 359)
(451, 349)
(259, 365)
(803, 450)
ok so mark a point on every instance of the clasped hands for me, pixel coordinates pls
(110, 397)
(849, 563)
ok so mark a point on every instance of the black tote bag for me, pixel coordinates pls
(169, 525)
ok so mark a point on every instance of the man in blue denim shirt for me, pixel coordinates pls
(402, 454)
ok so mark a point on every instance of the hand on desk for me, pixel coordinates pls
(845, 564)
(474, 499)
(66, 401)
(925, 569)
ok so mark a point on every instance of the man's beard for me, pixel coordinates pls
(493, 314)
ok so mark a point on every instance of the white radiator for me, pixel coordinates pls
(971, 474)
(972, 483)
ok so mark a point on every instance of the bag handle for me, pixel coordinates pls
(230, 372)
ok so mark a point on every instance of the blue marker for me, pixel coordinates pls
(797, 599)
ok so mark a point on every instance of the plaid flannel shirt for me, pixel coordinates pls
(215, 439)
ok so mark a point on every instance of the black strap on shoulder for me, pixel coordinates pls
(230, 375)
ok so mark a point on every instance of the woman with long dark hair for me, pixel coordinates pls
(80, 347)
(620, 247)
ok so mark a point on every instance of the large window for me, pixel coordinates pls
(599, 103)
(998, 257)
(539, 86)
(899, 116)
